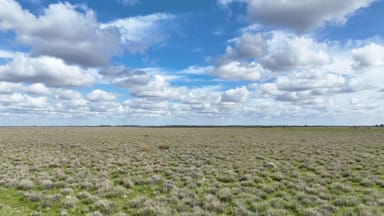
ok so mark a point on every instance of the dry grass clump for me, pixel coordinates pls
(346, 201)
(227, 176)
(147, 147)
(191, 171)
(46, 184)
(224, 194)
(25, 184)
(83, 195)
(212, 203)
(125, 181)
(66, 191)
(105, 206)
(33, 196)
(137, 202)
(164, 146)
(69, 202)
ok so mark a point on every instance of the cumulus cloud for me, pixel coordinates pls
(250, 45)
(371, 55)
(301, 15)
(199, 97)
(155, 89)
(312, 88)
(17, 102)
(140, 32)
(318, 82)
(62, 30)
(47, 70)
(100, 101)
(280, 51)
(145, 106)
(38, 100)
(97, 101)
(98, 95)
(143, 84)
(235, 70)
(7, 87)
(38, 89)
(236, 95)
(67, 94)
(73, 33)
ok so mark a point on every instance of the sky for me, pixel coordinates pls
(200, 62)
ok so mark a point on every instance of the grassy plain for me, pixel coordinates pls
(191, 171)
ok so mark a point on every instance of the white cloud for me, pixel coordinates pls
(236, 95)
(129, 3)
(301, 15)
(235, 70)
(143, 84)
(310, 89)
(47, 70)
(62, 30)
(17, 102)
(140, 32)
(288, 52)
(97, 101)
(197, 70)
(371, 55)
(146, 107)
(38, 89)
(203, 96)
(225, 2)
(250, 45)
(66, 94)
(280, 51)
(317, 82)
(7, 54)
(7, 87)
(98, 95)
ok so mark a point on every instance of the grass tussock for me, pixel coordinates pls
(147, 147)
(164, 146)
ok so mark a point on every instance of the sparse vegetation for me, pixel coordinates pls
(193, 171)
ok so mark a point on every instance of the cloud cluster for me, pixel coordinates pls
(371, 55)
(235, 70)
(65, 31)
(141, 32)
(73, 33)
(49, 70)
(295, 74)
(66, 42)
(155, 94)
(301, 16)
(279, 51)
(236, 95)
(143, 84)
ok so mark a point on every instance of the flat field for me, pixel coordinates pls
(191, 171)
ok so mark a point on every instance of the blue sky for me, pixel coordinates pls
(205, 62)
